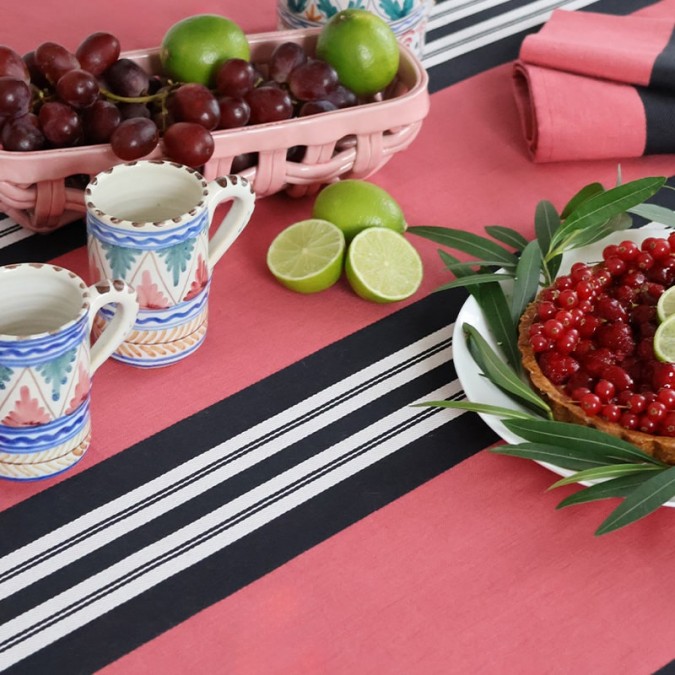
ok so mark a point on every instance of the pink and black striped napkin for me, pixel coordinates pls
(596, 86)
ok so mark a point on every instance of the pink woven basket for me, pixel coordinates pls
(35, 187)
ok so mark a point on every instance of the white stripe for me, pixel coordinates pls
(492, 30)
(11, 232)
(173, 498)
(148, 573)
(446, 12)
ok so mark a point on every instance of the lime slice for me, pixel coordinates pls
(666, 304)
(383, 266)
(664, 340)
(307, 256)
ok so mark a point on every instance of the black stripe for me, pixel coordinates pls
(659, 107)
(177, 444)
(44, 247)
(227, 491)
(663, 71)
(478, 17)
(147, 616)
(506, 50)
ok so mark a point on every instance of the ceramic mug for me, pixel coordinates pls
(46, 364)
(148, 223)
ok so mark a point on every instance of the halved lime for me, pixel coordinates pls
(383, 266)
(664, 340)
(666, 304)
(307, 256)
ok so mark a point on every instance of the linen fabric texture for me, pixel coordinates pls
(596, 86)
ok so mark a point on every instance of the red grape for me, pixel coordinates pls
(15, 97)
(235, 77)
(36, 75)
(54, 61)
(285, 58)
(314, 107)
(98, 52)
(134, 138)
(234, 112)
(342, 97)
(126, 78)
(22, 134)
(244, 161)
(312, 80)
(78, 88)
(129, 110)
(195, 103)
(100, 120)
(12, 65)
(269, 104)
(60, 124)
(188, 143)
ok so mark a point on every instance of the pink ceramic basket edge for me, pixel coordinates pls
(350, 143)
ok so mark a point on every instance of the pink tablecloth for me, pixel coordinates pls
(196, 534)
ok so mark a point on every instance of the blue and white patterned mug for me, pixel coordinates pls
(148, 224)
(46, 364)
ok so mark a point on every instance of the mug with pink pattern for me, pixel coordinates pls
(47, 363)
(148, 222)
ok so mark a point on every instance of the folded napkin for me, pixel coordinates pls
(596, 86)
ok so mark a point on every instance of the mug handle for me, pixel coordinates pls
(113, 334)
(221, 189)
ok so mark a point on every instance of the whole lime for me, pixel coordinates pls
(362, 48)
(354, 205)
(193, 48)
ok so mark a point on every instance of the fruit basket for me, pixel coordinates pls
(42, 190)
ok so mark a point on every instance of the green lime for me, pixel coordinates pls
(193, 48)
(664, 340)
(362, 48)
(353, 205)
(307, 256)
(666, 304)
(383, 266)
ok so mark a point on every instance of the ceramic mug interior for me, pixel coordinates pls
(146, 192)
(38, 299)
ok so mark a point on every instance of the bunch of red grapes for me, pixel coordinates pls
(53, 98)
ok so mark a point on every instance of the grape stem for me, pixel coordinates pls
(161, 95)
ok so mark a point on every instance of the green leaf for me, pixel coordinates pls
(508, 236)
(498, 317)
(659, 214)
(605, 205)
(477, 408)
(473, 244)
(546, 223)
(570, 435)
(465, 268)
(607, 471)
(500, 373)
(527, 280)
(646, 498)
(580, 197)
(616, 487)
(621, 221)
(474, 280)
(566, 458)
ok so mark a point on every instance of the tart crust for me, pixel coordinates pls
(565, 410)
